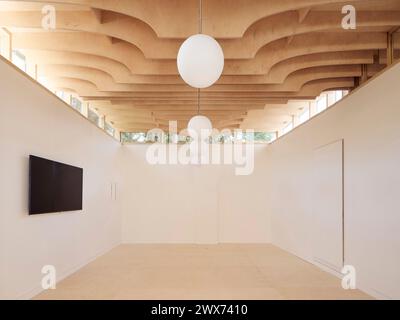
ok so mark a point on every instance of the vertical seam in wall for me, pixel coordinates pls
(218, 211)
(343, 201)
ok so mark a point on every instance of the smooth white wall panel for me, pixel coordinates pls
(243, 203)
(368, 122)
(33, 121)
(192, 203)
(327, 206)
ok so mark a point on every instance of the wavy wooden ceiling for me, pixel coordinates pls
(121, 55)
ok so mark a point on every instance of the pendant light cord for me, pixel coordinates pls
(200, 31)
(198, 101)
(200, 16)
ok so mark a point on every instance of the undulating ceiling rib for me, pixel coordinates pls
(120, 56)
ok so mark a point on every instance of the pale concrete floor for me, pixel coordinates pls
(200, 272)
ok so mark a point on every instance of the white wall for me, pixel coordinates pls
(35, 122)
(368, 121)
(327, 208)
(192, 204)
(198, 204)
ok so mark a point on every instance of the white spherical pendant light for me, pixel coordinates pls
(200, 126)
(200, 61)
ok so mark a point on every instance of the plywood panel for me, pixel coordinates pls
(274, 50)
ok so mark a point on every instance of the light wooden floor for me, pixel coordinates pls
(200, 272)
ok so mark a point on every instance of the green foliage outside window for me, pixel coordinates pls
(151, 137)
(93, 117)
(76, 104)
(109, 128)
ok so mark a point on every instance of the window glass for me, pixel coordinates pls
(274, 136)
(4, 43)
(76, 103)
(60, 94)
(338, 95)
(314, 107)
(44, 82)
(238, 136)
(19, 60)
(331, 98)
(304, 116)
(64, 96)
(109, 128)
(322, 103)
(264, 137)
(93, 117)
(288, 128)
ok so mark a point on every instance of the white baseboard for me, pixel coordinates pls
(29, 294)
(360, 286)
(191, 242)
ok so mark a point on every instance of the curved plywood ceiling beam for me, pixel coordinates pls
(267, 57)
(121, 74)
(103, 81)
(302, 16)
(314, 88)
(294, 82)
(87, 89)
(130, 120)
(143, 115)
(76, 84)
(65, 89)
(182, 114)
(277, 75)
(135, 32)
(287, 25)
(94, 44)
(278, 51)
(121, 55)
(222, 18)
(280, 71)
(309, 91)
(162, 104)
(240, 15)
(168, 20)
(116, 26)
(131, 109)
(164, 117)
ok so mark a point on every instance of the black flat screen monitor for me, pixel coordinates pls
(54, 186)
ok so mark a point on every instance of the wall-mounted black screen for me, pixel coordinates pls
(54, 186)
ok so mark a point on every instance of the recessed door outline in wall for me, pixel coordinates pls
(328, 214)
